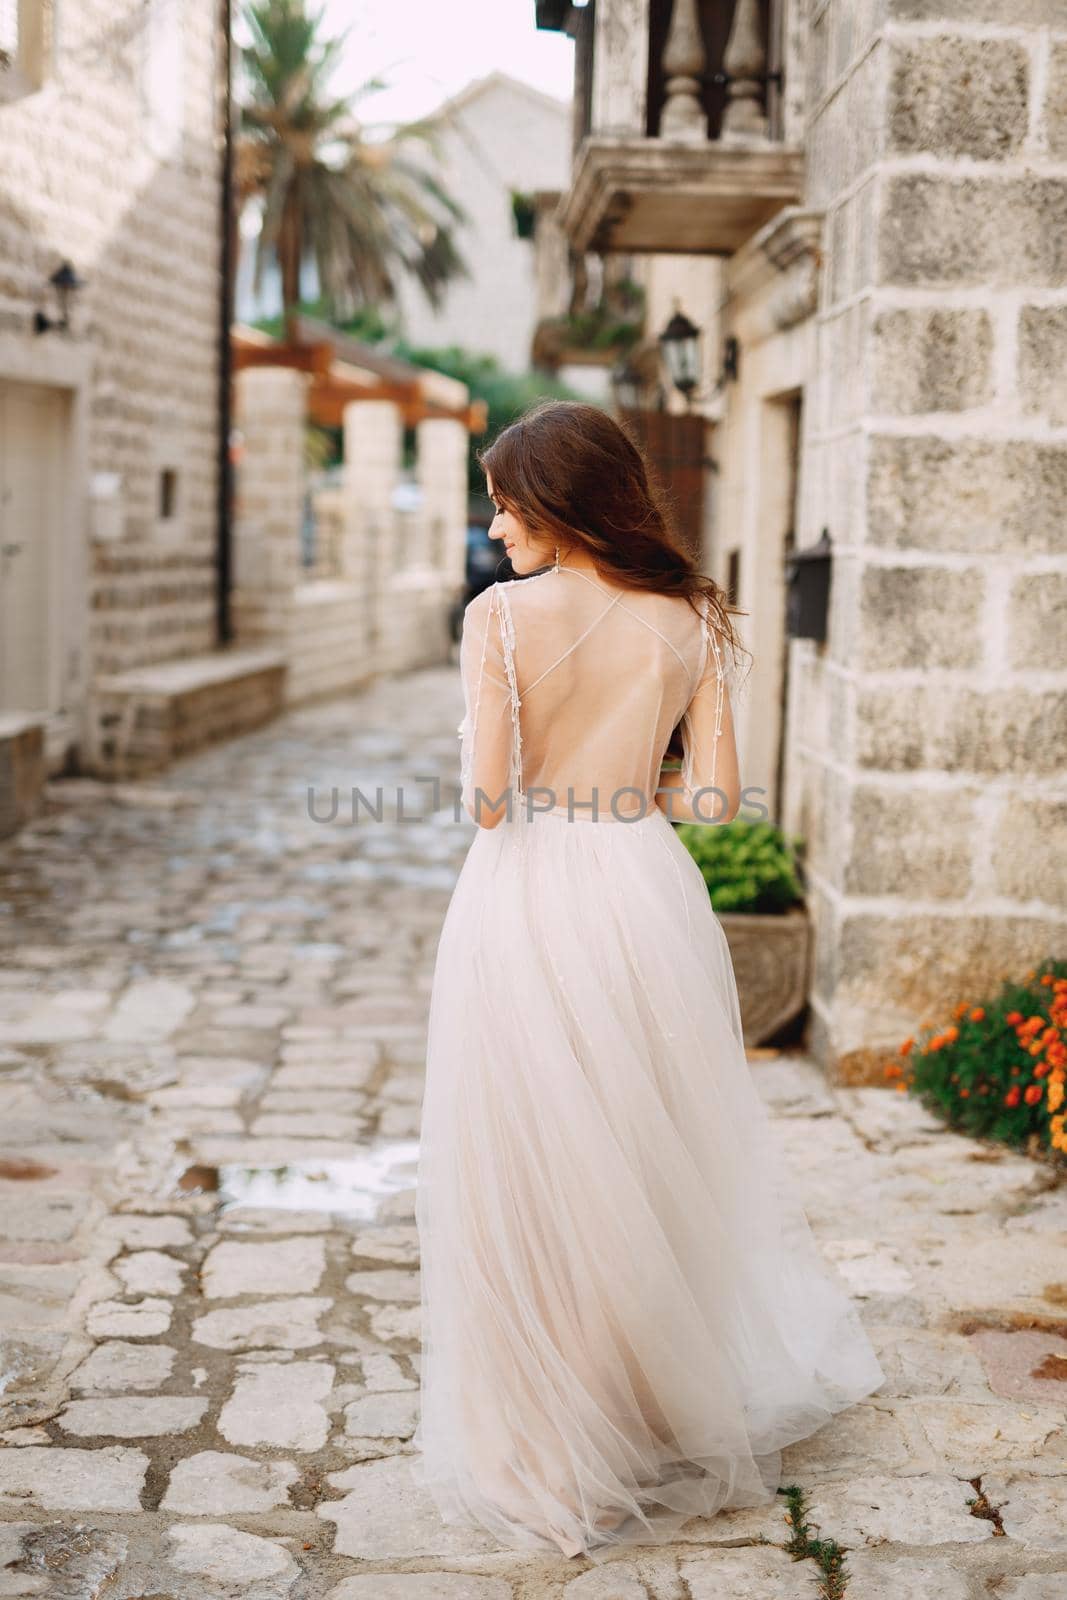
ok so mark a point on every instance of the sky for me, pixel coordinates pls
(427, 50)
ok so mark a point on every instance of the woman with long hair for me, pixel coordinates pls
(625, 1316)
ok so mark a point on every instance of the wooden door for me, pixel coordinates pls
(674, 446)
(32, 430)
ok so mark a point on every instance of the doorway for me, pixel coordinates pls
(34, 465)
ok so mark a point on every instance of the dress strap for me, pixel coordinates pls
(507, 636)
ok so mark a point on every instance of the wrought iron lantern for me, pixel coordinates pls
(66, 283)
(680, 343)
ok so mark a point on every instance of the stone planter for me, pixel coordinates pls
(771, 957)
(22, 770)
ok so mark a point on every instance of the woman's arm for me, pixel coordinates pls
(487, 729)
(709, 756)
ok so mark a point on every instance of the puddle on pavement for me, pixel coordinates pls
(354, 1187)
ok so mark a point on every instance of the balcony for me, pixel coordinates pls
(680, 124)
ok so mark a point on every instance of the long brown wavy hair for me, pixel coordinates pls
(571, 472)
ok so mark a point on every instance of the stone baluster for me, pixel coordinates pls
(684, 59)
(744, 62)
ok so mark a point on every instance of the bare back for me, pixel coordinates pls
(573, 687)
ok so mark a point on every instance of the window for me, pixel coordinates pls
(733, 577)
(168, 494)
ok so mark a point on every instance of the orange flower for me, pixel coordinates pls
(1033, 1094)
(906, 1046)
(1046, 977)
(901, 1088)
(1013, 1095)
(952, 1034)
(958, 1011)
(964, 1093)
(1014, 1016)
(978, 1014)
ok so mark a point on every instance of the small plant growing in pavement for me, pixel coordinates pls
(826, 1553)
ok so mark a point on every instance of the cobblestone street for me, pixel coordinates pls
(211, 1038)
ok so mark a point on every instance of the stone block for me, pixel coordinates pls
(931, 360)
(924, 963)
(757, 1574)
(1030, 850)
(49, 1478)
(1013, 13)
(914, 844)
(878, 1575)
(422, 1586)
(909, 1510)
(1055, 118)
(1042, 371)
(243, 1562)
(212, 1483)
(954, 96)
(975, 495)
(1039, 621)
(947, 728)
(986, 232)
(920, 617)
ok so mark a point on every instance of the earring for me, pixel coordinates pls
(557, 558)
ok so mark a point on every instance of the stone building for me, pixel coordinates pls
(496, 136)
(110, 114)
(876, 192)
(122, 640)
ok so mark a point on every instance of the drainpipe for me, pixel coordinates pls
(224, 531)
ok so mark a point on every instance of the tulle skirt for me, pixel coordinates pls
(625, 1315)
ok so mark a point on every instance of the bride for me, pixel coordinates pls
(625, 1316)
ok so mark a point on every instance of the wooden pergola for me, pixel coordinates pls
(342, 369)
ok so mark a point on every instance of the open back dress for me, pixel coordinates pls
(625, 1315)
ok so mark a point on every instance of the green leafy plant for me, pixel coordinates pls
(524, 212)
(747, 866)
(998, 1070)
(506, 394)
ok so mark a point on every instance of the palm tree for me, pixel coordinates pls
(365, 210)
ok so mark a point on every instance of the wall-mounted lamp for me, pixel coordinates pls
(66, 283)
(627, 386)
(680, 343)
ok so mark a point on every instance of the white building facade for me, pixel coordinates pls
(496, 136)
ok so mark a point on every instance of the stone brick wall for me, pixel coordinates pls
(385, 607)
(925, 758)
(85, 176)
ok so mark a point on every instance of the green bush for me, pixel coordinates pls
(998, 1069)
(747, 866)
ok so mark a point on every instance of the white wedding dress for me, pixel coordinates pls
(625, 1315)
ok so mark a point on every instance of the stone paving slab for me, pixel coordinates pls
(214, 1014)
